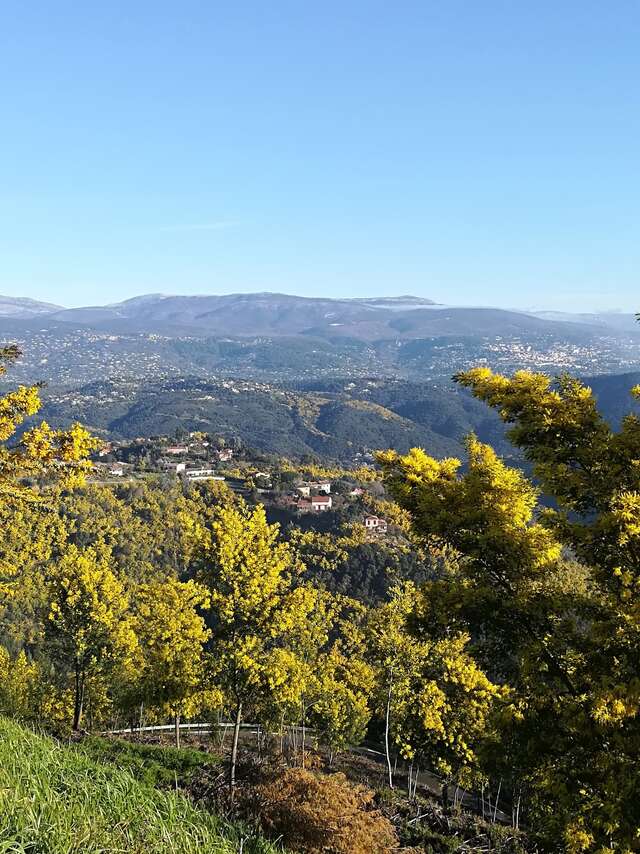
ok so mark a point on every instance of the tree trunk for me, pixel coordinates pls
(386, 735)
(282, 734)
(516, 821)
(79, 696)
(495, 808)
(234, 749)
(221, 732)
(176, 728)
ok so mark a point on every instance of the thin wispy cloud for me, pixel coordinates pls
(217, 225)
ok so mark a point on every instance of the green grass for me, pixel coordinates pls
(151, 763)
(56, 799)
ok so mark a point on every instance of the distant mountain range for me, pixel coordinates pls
(610, 319)
(296, 375)
(278, 338)
(270, 314)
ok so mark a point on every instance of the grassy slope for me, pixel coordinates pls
(55, 799)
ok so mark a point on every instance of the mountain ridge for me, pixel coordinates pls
(25, 307)
(276, 315)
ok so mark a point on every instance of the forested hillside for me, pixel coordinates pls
(334, 420)
(339, 423)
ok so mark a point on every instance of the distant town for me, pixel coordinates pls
(66, 355)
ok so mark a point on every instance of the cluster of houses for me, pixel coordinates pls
(195, 460)
(222, 455)
(309, 497)
(315, 497)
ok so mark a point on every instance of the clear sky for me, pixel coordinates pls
(471, 152)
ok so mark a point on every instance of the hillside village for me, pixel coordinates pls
(198, 456)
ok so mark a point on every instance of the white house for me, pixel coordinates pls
(375, 524)
(173, 466)
(321, 502)
(202, 474)
(306, 488)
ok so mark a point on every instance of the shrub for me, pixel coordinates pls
(323, 814)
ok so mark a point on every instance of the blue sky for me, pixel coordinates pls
(474, 153)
